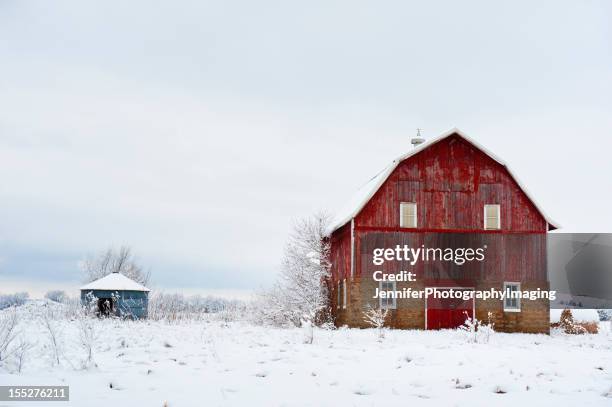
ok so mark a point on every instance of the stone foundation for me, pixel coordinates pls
(410, 313)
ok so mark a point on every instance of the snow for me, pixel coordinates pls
(115, 281)
(365, 193)
(359, 199)
(216, 364)
(580, 315)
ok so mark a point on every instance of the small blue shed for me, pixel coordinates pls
(117, 295)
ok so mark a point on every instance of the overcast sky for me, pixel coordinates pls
(196, 131)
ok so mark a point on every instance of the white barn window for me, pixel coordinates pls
(492, 217)
(338, 292)
(512, 304)
(387, 303)
(408, 215)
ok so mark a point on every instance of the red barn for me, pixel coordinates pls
(446, 193)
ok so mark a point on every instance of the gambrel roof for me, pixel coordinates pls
(366, 192)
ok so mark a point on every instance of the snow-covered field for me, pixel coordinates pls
(215, 364)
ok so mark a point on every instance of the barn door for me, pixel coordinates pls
(442, 313)
(106, 307)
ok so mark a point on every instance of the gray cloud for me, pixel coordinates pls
(197, 131)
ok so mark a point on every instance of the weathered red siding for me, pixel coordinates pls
(451, 182)
(340, 253)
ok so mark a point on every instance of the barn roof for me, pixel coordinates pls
(115, 282)
(367, 191)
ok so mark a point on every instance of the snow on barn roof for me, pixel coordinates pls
(365, 193)
(115, 282)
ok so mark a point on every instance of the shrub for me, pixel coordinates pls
(569, 326)
(10, 300)
(376, 317)
(177, 307)
(56, 296)
(477, 331)
(590, 327)
(605, 314)
(8, 333)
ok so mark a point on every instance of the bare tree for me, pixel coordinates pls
(8, 333)
(114, 261)
(300, 296)
(376, 318)
(54, 336)
(21, 352)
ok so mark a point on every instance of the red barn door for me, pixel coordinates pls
(447, 313)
